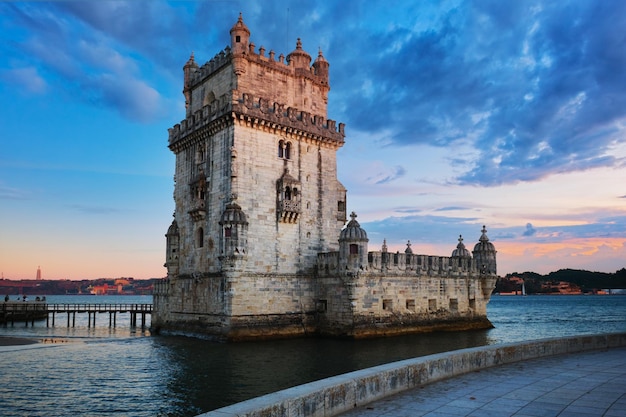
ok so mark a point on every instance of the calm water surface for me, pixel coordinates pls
(124, 371)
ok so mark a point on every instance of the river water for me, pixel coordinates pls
(92, 371)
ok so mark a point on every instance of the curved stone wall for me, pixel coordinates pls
(332, 396)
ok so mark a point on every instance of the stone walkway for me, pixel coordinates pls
(575, 385)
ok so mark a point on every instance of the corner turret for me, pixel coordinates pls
(353, 245)
(485, 255)
(189, 69)
(234, 236)
(172, 244)
(239, 37)
(320, 68)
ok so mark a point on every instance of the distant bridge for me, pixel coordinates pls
(18, 311)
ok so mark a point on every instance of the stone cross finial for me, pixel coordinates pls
(408, 247)
(353, 215)
(460, 238)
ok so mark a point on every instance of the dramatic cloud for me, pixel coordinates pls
(544, 96)
(83, 64)
(530, 230)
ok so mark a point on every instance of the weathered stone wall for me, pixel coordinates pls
(365, 304)
(237, 307)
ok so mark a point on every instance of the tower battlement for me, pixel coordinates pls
(260, 111)
(396, 264)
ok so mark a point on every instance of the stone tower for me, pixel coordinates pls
(256, 189)
(257, 247)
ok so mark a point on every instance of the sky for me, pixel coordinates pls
(458, 114)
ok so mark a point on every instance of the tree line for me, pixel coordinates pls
(586, 280)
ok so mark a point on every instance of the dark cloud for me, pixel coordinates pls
(539, 89)
(530, 230)
(536, 88)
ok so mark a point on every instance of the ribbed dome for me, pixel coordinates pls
(173, 229)
(461, 251)
(320, 58)
(353, 232)
(233, 215)
(484, 244)
(299, 57)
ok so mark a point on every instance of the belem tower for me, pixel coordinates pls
(258, 248)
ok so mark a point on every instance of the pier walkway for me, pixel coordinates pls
(589, 384)
(28, 312)
(566, 377)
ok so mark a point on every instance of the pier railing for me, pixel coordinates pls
(12, 311)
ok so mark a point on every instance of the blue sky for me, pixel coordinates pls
(458, 114)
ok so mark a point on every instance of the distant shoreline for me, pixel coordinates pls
(16, 341)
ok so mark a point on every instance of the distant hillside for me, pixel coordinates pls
(587, 281)
(110, 286)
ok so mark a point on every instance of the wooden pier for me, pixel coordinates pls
(17, 311)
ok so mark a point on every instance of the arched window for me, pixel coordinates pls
(354, 249)
(288, 150)
(281, 149)
(287, 193)
(200, 238)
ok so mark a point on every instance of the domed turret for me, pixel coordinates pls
(461, 251)
(353, 231)
(320, 67)
(172, 239)
(299, 58)
(485, 255)
(353, 244)
(233, 215)
(234, 231)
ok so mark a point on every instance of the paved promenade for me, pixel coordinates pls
(571, 385)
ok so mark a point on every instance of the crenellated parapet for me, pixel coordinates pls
(276, 115)
(200, 119)
(316, 73)
(260, 111)
(220, 60)
(398, 264)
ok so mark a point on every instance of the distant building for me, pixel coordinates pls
(258, 248)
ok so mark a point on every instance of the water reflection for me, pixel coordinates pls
(212, 375)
